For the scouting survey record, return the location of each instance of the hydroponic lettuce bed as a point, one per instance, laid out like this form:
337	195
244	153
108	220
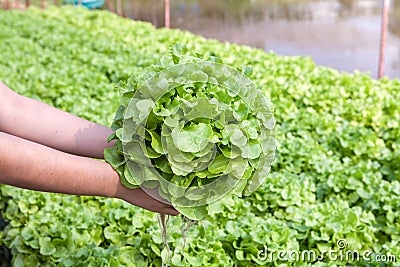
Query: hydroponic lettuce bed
336	175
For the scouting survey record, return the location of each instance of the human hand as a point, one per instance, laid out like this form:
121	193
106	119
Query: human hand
140	198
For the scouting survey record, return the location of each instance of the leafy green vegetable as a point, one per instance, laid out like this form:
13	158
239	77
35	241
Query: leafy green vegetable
191	115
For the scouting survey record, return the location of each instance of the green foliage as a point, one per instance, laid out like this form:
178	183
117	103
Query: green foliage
194	129
336	176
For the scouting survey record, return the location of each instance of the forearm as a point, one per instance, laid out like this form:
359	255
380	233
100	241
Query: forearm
33	166
29	165
41	123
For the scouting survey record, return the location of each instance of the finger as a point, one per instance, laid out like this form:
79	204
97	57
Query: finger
171	211
153	193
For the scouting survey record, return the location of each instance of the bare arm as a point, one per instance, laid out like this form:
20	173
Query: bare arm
33	166
31	135
35	121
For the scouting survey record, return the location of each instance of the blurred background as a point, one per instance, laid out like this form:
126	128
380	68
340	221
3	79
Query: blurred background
343	34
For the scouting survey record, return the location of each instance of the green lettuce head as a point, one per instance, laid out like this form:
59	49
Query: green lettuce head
193	128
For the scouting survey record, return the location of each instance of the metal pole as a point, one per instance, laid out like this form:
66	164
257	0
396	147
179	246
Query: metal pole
384	26
119	7
110	6
166	13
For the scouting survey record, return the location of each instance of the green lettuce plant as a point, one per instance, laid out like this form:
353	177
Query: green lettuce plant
193	128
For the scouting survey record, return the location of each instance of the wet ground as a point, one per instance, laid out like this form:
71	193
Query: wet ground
343	34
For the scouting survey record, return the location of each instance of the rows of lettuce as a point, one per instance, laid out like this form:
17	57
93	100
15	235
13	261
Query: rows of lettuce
337	174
